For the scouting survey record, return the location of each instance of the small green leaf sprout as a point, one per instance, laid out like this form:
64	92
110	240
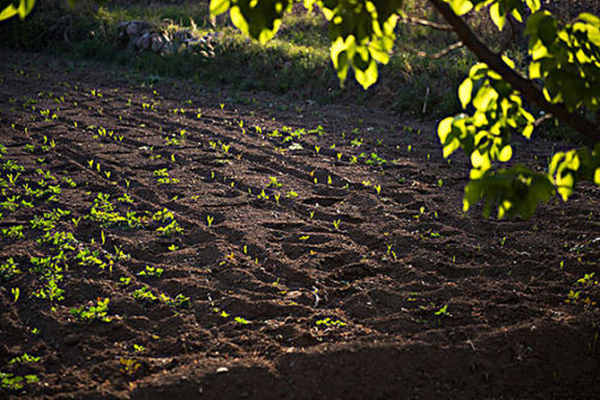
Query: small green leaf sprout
443	311
15	292
93	312
328	322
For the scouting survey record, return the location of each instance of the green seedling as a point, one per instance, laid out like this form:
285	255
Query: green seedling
14	232
263	195
24	359
241	320
129	366
138	348
151	271
588	280
126	198
273	182
375	160
443	311
330	322
120	255
162	177
170	229
144	294
172	141
15	292
209	220
357	142
97	312
179	300
573	296
15	382
9	269
69	181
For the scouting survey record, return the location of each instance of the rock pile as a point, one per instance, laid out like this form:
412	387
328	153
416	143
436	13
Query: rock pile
142	36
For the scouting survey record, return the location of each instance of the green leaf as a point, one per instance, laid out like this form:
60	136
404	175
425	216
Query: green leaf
484	97
539	51
238	20
561	171
534	21
505	153
504	208
533	5
451	147
339	56
308	4
528	130
460	7
535	70
589	18
548	31
219	6
444	129
8	12
478	71
508	61
25	7
481	160
498	18
472	194
464	92
367	77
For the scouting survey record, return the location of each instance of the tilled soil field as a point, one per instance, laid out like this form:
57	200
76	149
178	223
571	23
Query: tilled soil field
169	241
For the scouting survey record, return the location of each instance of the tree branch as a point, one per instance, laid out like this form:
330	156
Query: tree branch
588	130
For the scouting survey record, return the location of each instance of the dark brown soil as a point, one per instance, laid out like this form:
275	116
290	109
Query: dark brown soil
338	293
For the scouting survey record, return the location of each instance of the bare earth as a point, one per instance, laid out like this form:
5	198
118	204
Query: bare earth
368	283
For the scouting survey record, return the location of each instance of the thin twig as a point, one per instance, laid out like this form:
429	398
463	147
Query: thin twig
541	119
427	23
441	53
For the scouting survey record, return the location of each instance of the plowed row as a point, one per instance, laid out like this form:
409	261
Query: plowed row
305	267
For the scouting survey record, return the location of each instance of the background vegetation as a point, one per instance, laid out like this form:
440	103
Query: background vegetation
295	63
